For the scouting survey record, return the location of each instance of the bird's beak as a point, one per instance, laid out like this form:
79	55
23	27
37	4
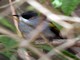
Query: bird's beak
16	15
22	19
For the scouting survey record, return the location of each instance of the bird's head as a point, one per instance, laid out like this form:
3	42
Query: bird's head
27	15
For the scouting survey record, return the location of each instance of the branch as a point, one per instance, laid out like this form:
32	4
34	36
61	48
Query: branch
15	19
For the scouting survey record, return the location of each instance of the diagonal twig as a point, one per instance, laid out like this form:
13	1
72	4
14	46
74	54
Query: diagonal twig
15	19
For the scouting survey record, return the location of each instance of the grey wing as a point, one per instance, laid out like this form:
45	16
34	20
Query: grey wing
26	29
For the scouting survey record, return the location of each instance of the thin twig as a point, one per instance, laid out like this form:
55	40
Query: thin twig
15	18
23	54
69	43
49	14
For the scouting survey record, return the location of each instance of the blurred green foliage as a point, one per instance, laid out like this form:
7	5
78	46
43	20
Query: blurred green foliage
48	48
6	41
6	23
9	45
67	6
57	3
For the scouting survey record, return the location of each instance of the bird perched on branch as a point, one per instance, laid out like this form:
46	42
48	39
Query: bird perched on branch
30	19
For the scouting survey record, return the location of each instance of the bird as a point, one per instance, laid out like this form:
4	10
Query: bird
31	18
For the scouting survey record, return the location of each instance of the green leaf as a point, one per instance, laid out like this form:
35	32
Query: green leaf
57	3
70	55
7	53
7	41
7	23
9	45
68	6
